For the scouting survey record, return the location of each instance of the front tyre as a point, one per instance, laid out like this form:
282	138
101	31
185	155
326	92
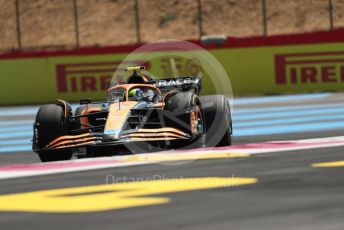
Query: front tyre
50	123
185	114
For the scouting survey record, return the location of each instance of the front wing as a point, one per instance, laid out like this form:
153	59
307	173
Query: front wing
136	135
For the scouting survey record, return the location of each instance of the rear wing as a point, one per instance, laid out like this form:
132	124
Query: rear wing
181	83
165	85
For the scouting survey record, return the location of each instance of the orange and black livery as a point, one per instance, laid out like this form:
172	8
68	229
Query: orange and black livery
142	114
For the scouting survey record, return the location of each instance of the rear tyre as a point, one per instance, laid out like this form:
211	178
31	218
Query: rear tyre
218	121
50	123
186	115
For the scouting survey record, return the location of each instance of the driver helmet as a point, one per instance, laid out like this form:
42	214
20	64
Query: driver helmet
136	94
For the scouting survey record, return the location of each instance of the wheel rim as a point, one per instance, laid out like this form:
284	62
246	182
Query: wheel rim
198	123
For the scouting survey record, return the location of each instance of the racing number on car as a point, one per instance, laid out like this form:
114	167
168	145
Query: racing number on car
110	197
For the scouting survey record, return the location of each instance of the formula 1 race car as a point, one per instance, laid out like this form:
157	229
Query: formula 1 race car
140	115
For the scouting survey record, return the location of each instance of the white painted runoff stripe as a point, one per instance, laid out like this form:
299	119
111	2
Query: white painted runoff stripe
243	111
12	123
15	142
25	170
285	114
15	148
279	98
285	121
19	134
15	129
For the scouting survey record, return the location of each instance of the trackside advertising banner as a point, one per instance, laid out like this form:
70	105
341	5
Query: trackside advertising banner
273	65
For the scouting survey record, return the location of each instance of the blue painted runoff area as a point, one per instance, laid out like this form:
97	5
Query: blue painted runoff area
15	135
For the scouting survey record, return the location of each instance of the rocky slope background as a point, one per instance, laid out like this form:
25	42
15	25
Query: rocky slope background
51	24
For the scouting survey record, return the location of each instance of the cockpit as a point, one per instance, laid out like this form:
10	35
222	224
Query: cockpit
139	92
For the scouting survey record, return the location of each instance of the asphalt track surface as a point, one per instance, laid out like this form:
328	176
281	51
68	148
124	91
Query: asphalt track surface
289	193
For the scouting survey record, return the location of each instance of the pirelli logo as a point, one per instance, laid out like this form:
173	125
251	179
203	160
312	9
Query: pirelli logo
87	77
309	68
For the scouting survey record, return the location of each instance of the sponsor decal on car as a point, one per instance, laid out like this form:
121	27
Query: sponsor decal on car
177	82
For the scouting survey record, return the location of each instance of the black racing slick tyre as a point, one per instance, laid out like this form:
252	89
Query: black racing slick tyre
218	121
186	115
50	123
77	121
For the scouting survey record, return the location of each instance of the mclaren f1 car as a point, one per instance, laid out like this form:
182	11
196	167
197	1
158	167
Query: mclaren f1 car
139	115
